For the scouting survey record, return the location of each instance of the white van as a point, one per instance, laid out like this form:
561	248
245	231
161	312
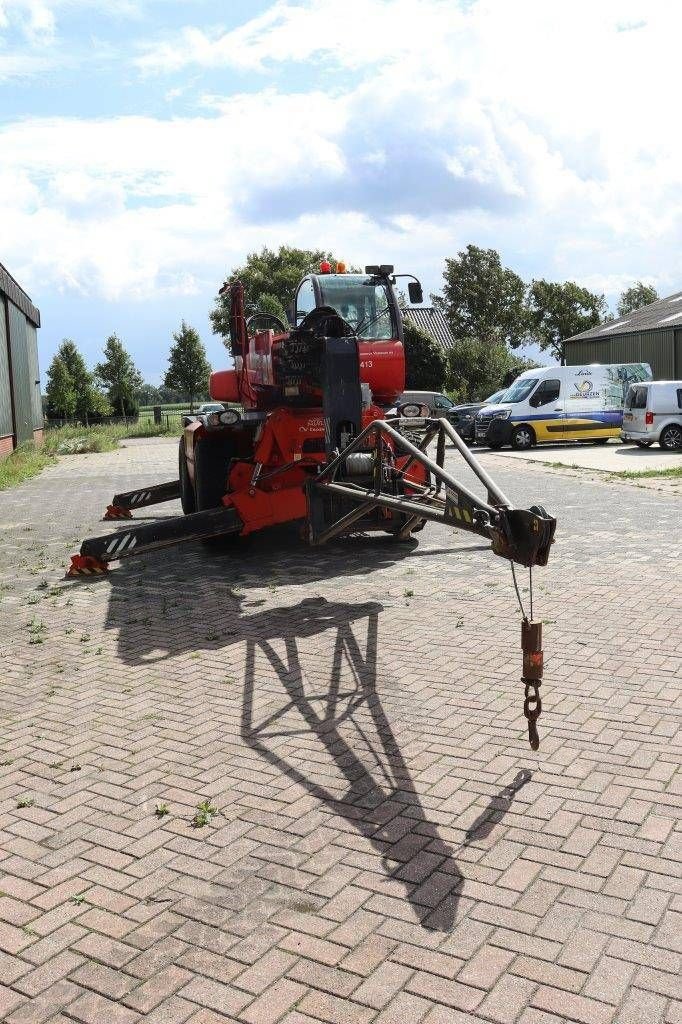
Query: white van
560	403
653	412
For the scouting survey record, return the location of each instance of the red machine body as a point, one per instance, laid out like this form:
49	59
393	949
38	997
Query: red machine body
280	440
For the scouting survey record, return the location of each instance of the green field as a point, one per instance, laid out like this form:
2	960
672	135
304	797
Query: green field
168	407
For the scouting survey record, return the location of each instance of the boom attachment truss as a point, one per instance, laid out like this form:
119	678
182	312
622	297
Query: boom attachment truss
523	536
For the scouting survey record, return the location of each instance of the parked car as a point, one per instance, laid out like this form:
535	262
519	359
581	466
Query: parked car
560	403
207	407
463	417
438	404
653	412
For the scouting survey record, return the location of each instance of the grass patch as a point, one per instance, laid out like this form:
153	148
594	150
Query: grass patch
105	438
26	461
634	474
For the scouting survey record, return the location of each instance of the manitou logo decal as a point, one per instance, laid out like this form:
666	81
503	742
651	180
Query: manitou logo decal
314	426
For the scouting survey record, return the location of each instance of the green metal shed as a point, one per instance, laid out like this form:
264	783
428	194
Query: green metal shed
21	417
652	334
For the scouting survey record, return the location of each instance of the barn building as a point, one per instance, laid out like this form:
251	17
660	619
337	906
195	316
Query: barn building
21	414
433	322
652	334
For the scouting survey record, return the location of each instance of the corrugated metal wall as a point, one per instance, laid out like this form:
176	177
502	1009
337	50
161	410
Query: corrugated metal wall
21	375
6	424
661	349
20	403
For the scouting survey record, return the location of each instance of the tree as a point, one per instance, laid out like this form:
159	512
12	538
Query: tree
59	391
188	369
476	369
269	280
638	295
482	299
120	377
558	311
425	364
149	394
89	400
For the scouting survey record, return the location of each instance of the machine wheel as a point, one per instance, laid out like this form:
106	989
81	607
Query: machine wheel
671	437
187	496
211	460
600	440
644	444
522	438
211	463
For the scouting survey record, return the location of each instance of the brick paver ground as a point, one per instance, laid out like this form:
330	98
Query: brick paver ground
386	847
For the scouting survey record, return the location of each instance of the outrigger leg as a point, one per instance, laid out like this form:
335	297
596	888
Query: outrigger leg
96	552
122	504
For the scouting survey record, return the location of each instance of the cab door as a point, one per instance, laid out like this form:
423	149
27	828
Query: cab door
548	415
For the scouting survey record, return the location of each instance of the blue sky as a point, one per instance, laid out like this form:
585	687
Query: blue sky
147	145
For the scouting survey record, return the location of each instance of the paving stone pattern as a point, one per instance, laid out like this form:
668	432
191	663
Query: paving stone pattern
386	848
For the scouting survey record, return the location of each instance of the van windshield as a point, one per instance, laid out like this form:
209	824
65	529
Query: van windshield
520	390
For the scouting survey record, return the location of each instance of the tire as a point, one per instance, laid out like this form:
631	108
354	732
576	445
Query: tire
211	463
495	446
211	466
187	496
644	444
671	438
522	438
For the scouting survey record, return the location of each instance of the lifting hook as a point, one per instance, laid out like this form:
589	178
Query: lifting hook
531	646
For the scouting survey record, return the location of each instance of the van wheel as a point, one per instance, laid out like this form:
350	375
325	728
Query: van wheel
187	496
644	444
671	437
522	438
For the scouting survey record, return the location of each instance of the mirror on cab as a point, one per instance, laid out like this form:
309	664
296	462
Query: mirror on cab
414	290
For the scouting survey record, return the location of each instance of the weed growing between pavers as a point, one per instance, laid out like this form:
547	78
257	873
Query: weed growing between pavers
204	815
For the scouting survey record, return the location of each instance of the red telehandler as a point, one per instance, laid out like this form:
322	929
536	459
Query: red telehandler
304	437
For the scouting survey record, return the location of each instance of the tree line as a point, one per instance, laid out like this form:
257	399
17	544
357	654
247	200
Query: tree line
114	387
490	310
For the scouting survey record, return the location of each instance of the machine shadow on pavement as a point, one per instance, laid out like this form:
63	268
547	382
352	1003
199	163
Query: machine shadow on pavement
499	804
187	599
381	803
367	782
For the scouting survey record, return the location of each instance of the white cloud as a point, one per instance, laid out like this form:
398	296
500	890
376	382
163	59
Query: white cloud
547	132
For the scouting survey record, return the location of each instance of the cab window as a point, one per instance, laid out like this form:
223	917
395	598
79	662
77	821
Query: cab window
547	392
305	300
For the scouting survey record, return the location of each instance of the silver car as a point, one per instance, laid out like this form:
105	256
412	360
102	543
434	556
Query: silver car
653	412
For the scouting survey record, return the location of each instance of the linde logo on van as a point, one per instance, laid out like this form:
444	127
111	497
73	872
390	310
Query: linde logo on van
583	373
